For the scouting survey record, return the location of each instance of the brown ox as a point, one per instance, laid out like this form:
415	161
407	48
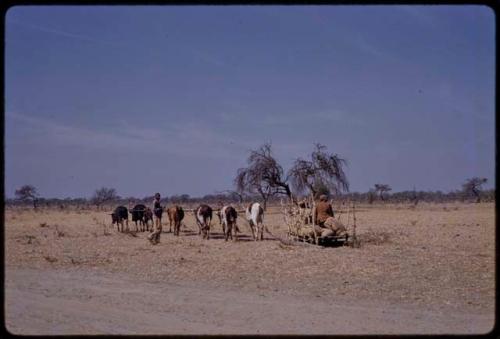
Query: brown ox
175	216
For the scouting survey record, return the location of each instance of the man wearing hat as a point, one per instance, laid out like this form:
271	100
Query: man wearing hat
326	224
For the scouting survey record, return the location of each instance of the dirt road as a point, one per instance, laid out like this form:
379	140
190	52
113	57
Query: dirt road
92	301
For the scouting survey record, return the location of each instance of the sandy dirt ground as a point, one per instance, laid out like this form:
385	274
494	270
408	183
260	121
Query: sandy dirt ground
422	270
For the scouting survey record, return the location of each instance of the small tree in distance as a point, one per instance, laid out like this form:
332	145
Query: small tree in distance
381	189
27	193
473	185
104	195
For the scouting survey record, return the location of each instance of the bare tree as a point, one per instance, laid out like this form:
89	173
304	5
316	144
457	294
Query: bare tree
104	195
263	175
27	193
473	185
382	189
323	170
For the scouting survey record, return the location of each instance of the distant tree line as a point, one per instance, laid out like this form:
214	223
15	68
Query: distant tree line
409	196
420	196
265	180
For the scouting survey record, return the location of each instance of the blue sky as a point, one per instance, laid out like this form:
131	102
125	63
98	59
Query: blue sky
170	99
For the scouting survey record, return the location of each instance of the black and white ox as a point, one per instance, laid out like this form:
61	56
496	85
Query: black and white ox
203	216
254	214
118	216
228	216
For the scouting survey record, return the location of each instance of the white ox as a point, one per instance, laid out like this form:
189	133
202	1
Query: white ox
255	217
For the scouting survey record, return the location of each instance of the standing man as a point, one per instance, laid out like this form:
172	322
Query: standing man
157	211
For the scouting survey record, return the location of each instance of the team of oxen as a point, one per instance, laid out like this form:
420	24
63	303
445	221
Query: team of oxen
141	215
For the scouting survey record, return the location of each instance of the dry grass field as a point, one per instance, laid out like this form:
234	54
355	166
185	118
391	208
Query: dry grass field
429	269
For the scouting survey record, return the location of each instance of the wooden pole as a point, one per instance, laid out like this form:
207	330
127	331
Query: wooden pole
354	238
348	214
313	204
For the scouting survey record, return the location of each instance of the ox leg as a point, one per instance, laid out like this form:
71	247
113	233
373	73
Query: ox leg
252	228
235	230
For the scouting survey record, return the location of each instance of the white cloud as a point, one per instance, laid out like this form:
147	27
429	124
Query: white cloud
311	118
365	46
192	139
64	33
420	13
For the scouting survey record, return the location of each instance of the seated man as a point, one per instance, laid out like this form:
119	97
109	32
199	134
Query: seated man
326	225
323	210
